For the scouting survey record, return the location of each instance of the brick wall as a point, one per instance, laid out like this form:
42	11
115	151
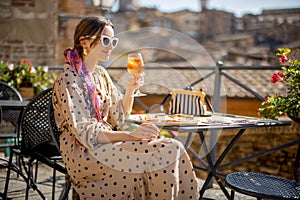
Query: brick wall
28	30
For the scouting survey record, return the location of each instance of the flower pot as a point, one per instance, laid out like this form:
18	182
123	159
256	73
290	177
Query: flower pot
295	119
27	92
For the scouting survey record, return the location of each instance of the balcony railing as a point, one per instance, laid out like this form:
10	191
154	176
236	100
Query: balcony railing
218	71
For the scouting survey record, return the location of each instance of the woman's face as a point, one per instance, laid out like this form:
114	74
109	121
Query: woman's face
104	52
98	51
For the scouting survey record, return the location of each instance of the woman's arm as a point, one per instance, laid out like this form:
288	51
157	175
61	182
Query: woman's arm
145	131
128	99
73	113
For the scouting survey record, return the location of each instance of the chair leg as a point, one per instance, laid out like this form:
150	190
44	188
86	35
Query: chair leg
53	182
29	177
30	180
232	195
8	174
36	171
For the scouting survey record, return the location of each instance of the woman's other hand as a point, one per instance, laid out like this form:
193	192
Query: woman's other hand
146	131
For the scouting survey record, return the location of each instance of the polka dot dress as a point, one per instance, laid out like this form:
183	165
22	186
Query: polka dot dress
158	169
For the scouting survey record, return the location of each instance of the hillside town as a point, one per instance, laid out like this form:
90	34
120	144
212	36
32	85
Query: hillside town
249	40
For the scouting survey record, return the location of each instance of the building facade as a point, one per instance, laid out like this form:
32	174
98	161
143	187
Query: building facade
40	30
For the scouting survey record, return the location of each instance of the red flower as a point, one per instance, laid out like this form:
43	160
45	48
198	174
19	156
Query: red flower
283	58
281	74
277	77
267	99
25	62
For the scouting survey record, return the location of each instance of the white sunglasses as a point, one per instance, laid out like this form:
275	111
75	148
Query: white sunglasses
105	40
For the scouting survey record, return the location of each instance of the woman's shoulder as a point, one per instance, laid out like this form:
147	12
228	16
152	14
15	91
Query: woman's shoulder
68	73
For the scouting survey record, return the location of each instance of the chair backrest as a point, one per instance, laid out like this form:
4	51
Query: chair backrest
54	131
34	122
188	102
8	92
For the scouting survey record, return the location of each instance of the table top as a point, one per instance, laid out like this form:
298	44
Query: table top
13	104
208	122
11	110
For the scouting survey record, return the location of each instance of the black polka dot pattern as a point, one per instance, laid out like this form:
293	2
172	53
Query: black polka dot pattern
158	169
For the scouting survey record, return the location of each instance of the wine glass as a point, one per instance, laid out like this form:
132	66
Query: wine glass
135	66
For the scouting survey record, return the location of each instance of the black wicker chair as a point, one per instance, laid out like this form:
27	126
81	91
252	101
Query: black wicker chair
36	145
264	186
8	92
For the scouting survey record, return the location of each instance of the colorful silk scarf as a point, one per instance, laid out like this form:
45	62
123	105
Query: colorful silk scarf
75	61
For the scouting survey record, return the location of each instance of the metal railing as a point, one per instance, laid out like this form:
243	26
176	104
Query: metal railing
219	71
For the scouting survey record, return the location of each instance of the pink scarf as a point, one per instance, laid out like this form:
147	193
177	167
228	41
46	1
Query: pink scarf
75	61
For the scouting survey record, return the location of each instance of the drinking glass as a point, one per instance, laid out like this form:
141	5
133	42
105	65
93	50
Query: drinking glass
135	66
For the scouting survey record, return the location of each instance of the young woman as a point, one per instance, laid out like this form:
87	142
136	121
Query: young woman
103	161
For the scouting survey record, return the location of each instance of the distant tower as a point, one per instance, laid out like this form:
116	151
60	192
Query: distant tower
128	5
204	4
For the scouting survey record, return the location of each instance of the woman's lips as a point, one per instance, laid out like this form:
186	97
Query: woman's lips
107	52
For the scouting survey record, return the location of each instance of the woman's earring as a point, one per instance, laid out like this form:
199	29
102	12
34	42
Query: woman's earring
84	52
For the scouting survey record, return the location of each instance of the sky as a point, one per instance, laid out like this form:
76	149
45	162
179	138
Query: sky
238	7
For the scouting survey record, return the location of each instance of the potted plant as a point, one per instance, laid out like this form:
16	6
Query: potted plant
25	75
288	104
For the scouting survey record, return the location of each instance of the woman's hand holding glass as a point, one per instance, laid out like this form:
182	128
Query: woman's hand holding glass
134	83
135	66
